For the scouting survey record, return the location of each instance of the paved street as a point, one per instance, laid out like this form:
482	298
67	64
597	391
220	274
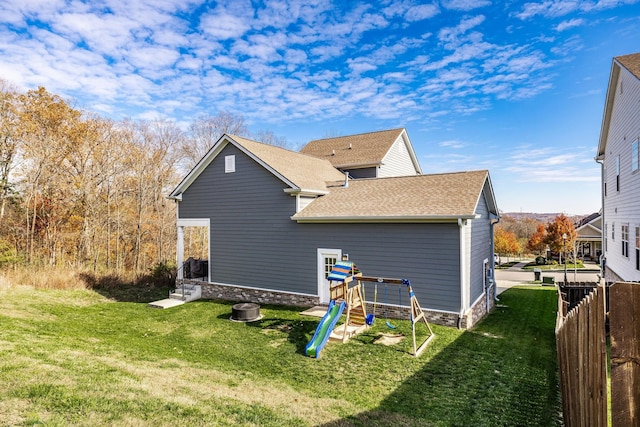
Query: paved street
516	276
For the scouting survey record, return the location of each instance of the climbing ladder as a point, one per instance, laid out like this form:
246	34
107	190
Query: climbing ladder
356	313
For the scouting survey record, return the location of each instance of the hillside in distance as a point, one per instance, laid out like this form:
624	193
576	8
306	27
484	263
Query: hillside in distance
541	217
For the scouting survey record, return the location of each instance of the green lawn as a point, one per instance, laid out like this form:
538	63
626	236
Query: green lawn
78	358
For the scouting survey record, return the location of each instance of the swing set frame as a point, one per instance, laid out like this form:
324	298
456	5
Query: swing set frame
417	315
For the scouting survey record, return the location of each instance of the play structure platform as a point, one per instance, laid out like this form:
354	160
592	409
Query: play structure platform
346	290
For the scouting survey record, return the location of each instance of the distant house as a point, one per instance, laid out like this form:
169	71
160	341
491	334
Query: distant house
618	153
589	237
278	220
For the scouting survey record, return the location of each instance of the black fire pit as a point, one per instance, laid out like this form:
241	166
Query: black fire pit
245	312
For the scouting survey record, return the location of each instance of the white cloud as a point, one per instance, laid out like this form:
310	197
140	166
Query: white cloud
223	26
558	8
452	34
464	5
452	144
421	12
565	25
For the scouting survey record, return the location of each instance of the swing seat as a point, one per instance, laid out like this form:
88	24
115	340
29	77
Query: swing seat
370	319
390	326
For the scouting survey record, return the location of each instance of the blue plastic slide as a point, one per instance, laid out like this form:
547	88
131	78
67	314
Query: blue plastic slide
324	329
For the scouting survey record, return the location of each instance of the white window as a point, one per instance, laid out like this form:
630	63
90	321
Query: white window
618	173
634	155
229	164
637	248
625	240
613	231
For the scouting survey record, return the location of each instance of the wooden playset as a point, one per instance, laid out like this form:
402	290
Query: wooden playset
347	290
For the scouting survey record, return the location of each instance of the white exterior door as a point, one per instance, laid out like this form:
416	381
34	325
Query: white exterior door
326	260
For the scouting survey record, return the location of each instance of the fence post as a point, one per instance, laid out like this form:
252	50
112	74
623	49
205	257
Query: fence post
624	329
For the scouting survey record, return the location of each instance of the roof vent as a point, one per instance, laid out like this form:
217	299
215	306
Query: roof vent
333	152
346	179
350	146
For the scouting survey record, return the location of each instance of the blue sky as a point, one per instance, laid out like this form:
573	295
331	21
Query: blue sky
514	87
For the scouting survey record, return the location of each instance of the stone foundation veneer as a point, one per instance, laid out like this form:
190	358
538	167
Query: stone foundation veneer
610	276
265	296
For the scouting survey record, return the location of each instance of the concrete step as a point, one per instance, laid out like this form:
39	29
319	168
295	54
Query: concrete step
191	293
166	303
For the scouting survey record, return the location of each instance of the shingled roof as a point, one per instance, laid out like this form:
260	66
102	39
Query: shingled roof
630	62
434	197
303	171
298	171
365	149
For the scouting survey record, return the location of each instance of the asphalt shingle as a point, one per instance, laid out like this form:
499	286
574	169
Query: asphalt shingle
631	62
364	149
305	172
446	195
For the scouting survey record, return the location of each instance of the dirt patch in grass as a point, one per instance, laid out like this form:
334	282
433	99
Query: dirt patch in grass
11	410
183	384
388	339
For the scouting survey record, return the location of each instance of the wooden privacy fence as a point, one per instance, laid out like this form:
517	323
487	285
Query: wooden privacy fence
582	357
624	331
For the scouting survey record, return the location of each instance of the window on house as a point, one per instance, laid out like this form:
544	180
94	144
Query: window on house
229	164
328	265
634	155
604	241
625	240
618	173
637	248
604	174
613	231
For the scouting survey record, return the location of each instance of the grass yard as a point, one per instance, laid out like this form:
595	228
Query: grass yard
75	357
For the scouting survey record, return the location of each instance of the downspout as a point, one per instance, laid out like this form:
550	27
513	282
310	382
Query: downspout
462	271
603	258
493	222
179	244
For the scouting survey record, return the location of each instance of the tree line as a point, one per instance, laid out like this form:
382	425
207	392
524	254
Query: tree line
515	237
79	190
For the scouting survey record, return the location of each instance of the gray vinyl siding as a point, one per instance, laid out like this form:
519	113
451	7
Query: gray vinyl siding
426	254
623	206
254	242
397	162
480	248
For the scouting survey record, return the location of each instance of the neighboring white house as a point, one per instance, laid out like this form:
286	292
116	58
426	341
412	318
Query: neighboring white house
589	237
619	155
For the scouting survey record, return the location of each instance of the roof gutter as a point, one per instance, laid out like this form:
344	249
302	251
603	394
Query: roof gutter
305	192
357	165
383	219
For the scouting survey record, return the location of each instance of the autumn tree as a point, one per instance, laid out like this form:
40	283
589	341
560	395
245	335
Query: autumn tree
268	137
536	242
50	131
205	131
522	227
505	242
9	139
555	230
79	190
